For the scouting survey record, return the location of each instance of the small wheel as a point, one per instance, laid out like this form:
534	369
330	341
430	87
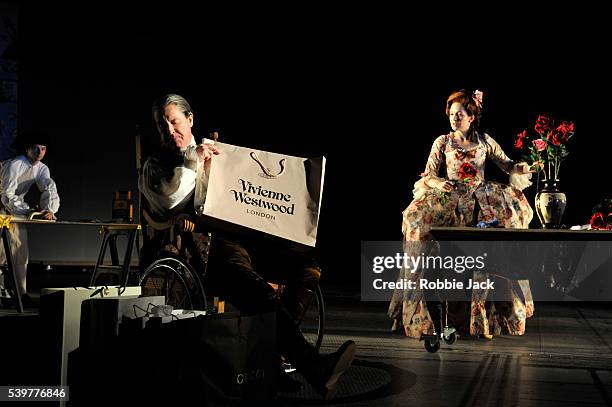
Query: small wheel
450	339
432	346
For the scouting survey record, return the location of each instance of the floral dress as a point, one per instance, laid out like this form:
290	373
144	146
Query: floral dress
431	207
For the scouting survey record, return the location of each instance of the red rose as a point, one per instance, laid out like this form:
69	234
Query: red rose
518	141
597	221
543	124
562	133
539	144
555	137
467	171
566	127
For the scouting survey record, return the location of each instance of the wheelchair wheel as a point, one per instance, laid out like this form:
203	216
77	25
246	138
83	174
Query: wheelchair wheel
176	281
313	324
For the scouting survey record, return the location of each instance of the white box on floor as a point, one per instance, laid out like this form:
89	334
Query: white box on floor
60	312
101	318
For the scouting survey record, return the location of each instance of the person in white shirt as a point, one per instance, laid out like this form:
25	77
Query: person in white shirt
17	176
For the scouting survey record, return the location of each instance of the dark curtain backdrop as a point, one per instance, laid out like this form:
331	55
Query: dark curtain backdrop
366	92
8	76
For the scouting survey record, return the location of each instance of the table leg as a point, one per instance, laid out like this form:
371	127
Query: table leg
100	257
11	269
128	256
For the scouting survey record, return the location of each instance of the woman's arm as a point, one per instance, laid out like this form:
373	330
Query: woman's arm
434	162
497	155
430	177
520	174
431	174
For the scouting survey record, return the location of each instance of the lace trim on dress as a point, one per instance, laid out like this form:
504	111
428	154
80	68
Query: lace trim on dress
453	145
520	181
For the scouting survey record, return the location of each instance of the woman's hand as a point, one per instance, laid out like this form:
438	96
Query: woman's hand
524	168
442	185
206	151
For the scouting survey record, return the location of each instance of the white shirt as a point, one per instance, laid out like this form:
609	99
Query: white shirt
170	196
17	175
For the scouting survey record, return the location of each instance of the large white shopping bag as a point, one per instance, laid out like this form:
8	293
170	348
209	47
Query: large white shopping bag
272	193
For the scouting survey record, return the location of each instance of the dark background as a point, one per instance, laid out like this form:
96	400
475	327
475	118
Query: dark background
367	91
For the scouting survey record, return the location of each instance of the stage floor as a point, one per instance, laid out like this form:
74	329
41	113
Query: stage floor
564	359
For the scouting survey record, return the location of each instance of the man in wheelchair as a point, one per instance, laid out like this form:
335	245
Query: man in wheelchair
232	266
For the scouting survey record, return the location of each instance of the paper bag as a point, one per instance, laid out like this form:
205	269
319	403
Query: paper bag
272	193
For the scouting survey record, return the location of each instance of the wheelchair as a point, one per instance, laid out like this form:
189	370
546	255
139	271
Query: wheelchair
174	278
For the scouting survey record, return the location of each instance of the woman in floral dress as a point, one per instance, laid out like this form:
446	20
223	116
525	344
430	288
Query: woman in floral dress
462	197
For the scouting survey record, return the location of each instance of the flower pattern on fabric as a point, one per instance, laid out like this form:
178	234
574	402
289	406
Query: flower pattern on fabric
432	207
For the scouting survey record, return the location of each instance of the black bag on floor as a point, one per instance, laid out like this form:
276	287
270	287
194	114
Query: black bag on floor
223	359
232	356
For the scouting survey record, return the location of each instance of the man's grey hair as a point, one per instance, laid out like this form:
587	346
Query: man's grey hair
171	99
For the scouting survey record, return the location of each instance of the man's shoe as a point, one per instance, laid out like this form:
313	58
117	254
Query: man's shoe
324	374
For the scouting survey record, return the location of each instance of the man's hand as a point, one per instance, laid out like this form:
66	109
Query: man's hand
47	215
206	151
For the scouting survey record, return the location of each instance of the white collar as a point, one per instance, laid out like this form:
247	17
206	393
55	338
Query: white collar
24	158
192	143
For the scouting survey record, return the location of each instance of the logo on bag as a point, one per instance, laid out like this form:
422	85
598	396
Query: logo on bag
256	374
256	195
268	172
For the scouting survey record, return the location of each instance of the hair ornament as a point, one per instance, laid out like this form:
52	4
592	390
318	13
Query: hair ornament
477	96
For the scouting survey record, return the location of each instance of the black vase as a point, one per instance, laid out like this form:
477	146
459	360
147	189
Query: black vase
550	204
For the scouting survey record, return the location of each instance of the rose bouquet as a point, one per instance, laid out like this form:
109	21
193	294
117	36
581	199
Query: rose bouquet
545	148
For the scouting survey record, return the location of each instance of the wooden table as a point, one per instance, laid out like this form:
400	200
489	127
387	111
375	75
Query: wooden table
109	231
500	234
558	261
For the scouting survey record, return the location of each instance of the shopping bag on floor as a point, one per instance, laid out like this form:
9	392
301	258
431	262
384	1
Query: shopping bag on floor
233	356
277	194
209	360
